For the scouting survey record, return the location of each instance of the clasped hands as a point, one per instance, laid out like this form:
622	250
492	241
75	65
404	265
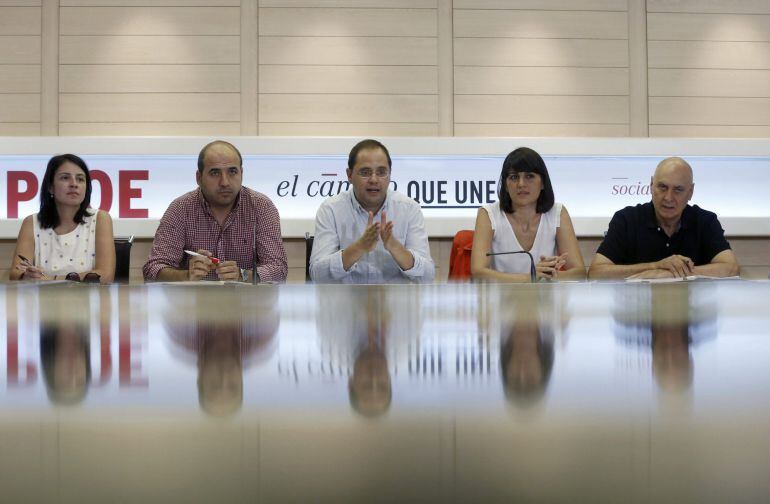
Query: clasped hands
199	267
674	266
549	266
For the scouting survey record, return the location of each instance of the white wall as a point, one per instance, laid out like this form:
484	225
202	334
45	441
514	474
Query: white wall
379	67
20	67
129	69
709	68
525	68
348	68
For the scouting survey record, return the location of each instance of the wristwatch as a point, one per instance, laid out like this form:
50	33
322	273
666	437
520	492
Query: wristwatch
244	275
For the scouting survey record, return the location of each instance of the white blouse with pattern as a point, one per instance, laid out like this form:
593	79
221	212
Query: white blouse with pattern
61	254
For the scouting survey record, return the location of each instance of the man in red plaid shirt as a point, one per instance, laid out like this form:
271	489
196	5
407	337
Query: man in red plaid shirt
223	222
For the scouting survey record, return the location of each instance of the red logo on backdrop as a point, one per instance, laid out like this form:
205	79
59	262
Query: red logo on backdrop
24	185
16	195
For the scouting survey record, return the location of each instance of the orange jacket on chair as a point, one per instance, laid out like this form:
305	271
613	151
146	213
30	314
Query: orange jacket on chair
460	257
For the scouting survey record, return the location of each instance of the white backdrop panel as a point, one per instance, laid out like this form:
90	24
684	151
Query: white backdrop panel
450	177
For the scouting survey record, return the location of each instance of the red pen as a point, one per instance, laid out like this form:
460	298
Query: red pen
212	259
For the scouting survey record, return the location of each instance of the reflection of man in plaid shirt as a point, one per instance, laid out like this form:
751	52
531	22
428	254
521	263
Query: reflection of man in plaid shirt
219	220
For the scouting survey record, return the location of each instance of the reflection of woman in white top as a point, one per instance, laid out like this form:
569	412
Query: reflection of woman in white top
67	238
525	217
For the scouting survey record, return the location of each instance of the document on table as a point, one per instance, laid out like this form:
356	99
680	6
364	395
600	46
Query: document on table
690	278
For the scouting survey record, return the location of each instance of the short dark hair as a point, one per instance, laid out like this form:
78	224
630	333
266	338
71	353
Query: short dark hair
367	144
49	215
521	160
202	154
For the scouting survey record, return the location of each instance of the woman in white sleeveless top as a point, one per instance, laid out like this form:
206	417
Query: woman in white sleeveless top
67	238
525	218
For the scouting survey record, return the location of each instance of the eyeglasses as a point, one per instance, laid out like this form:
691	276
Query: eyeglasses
368	172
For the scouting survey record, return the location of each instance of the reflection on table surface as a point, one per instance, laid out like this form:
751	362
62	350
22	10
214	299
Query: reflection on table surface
550	392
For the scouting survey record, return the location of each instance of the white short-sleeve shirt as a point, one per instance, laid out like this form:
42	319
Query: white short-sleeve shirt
504	239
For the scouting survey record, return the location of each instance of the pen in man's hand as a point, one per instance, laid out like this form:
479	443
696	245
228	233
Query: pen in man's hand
212	259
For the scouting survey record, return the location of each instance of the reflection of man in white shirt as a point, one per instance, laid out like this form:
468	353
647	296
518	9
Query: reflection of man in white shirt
369	339
368	234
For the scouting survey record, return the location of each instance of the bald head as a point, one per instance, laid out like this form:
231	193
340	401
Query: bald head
219	146
672	364
674	166
369	387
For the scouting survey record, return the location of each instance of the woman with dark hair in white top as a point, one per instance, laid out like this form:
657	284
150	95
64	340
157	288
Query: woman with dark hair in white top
67	239
525	218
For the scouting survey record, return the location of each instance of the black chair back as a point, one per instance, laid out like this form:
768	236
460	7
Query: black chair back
123	257
308	251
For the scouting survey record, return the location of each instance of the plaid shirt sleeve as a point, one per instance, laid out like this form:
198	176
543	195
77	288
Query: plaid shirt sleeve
168	246
271	256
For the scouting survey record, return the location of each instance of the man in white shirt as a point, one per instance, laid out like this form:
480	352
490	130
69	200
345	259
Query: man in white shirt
369	234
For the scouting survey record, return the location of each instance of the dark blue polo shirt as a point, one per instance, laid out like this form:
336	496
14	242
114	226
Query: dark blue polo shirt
634	236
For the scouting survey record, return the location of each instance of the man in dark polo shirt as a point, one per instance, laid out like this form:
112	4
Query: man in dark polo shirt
666	237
